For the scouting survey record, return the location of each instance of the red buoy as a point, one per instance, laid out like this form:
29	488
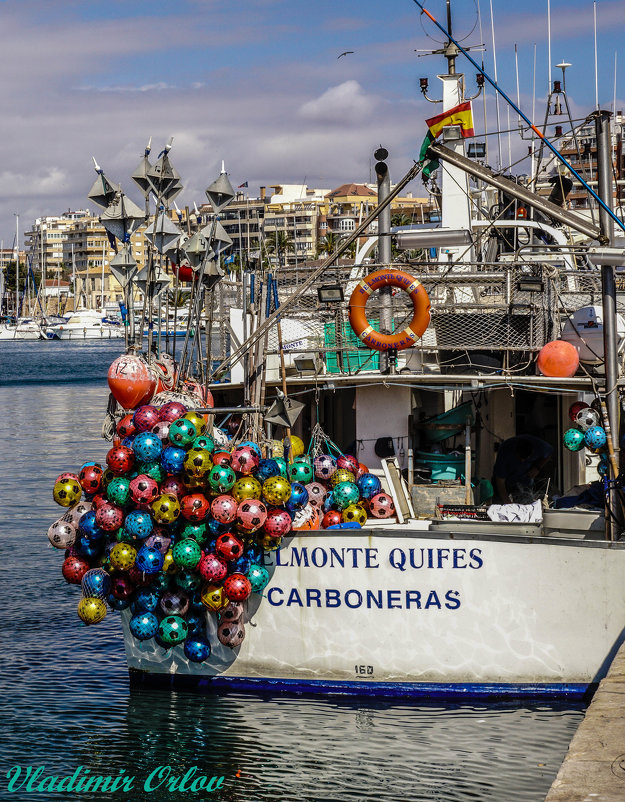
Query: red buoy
131	381
558	359
183	271
576	407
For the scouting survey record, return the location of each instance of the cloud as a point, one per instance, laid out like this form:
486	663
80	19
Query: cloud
346	23
346	103
39	182
156	87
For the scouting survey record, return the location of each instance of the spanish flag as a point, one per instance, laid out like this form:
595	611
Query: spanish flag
460	115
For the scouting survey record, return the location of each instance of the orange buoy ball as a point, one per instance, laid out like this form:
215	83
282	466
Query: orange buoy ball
558	359
131	381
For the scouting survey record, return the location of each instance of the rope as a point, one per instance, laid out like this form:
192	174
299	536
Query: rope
109	424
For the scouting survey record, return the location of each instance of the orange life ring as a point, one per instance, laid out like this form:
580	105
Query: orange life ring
399	339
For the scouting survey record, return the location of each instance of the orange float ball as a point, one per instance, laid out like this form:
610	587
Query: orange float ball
558	359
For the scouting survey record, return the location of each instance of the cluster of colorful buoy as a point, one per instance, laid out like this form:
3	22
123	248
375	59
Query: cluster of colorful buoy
587	433
175	525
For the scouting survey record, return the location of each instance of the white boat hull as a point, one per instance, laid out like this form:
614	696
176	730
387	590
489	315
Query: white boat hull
21	333
104	333
412	613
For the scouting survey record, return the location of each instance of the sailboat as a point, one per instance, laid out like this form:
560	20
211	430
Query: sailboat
24	329
21	327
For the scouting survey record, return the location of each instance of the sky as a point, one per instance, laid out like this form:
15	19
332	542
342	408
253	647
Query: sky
260	85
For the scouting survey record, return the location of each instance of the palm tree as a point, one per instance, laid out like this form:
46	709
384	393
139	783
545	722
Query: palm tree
279	243
401	219
328	243
177	298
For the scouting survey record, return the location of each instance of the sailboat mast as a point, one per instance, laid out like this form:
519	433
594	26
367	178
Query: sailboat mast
44	273
73	279
17	266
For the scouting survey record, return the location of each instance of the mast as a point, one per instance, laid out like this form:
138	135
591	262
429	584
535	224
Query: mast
43	285
456	211
102	277
388	360
523	116
17	266
73	279
608	283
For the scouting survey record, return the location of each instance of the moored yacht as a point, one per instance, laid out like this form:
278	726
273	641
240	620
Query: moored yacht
86	324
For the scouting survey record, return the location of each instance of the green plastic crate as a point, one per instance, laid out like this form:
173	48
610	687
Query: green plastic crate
358	356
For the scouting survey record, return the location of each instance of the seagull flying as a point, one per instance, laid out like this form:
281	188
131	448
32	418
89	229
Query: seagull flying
346	53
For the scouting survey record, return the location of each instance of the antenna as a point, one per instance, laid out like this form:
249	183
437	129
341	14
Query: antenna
479	19
614	102
96	166
518	91
492	27
594	9
549	45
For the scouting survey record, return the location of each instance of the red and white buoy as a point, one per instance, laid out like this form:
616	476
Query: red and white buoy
131	380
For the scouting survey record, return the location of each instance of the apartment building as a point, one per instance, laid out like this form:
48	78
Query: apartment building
294	211
87	256
300	217
7	257
44	241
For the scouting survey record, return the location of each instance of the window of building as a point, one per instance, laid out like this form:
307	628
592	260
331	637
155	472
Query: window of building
347	225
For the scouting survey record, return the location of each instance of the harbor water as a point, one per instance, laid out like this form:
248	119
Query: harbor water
67	705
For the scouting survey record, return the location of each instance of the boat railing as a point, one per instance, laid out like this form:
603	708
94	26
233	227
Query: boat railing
503	312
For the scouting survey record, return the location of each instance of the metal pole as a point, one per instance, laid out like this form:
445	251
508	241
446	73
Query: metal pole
608	291
17	267
246	358
388	361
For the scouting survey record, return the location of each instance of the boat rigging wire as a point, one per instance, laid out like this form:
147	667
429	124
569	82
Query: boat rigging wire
534	128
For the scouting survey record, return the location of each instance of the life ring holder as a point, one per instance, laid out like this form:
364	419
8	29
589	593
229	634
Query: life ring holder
399	339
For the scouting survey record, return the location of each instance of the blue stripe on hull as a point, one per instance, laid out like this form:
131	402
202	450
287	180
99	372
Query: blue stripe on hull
401	690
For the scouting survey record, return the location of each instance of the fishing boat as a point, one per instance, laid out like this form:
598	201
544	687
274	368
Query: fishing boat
440	600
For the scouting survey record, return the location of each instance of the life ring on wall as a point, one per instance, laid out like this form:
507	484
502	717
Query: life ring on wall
399	339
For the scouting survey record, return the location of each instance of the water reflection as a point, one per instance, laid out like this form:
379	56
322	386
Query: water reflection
299	749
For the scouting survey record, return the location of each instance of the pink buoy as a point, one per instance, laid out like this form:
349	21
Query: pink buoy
231	633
